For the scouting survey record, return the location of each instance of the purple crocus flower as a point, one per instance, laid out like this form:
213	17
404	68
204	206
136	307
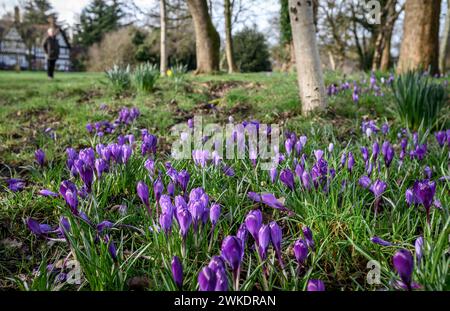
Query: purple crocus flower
350	162
375	150
365	154
183	179
228	170
48	193
216	263
306	180
269	199
423	193
378	188
104	225
420	152
111	248
143	194
253	222
171	189
150	166
69	192
365	182
165	222
380	241
301	251
418	245
177	271
158	188
37	228
166	205
40	157
214	213
126	153
276	235
315	286
307	233
428	172
318	154
404	265
15	185
101	166
289	145
385	128
207	280
263	241
232	253
242	234
287	178
86	173
273	174
221	280
441	138
388	153
184	219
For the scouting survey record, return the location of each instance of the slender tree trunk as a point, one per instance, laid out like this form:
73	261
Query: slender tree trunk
445	42
229	37
381	56
164	56
309	70
420	45
385	63
206	37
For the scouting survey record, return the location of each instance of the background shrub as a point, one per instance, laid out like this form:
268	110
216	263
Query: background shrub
251	51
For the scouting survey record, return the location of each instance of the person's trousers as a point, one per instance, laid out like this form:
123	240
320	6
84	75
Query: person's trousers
51	63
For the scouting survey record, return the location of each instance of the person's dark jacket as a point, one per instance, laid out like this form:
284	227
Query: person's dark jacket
51	47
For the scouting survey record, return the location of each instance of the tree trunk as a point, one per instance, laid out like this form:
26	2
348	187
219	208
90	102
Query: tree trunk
164	56
445	43
206	37
420	45
309	70
385	63
229	37
381	56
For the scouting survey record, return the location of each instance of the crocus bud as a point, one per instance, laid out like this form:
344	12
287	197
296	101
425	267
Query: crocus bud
307	233
315	286
214	213
232	252
40	157
207	280
253	222
404	265
143	194
418	245
350	162
276	236
177	271
365	182
301	251
263	241
287	178
221	280
184	220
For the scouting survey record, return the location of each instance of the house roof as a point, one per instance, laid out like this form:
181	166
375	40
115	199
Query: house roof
37	31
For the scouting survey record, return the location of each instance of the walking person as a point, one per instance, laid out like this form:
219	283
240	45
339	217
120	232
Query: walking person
51	48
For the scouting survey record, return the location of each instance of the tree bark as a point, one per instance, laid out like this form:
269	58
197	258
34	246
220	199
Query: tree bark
309	70
164	56
206	37
420	45
229	37
445	42
381	56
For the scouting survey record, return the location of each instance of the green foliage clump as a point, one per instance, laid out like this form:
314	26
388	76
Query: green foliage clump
418	101
145	77
120	78
251	51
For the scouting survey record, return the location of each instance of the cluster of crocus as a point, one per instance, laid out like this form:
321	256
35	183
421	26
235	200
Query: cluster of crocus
128	115
369	127
149	143
422	193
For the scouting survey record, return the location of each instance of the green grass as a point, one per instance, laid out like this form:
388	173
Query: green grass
342	221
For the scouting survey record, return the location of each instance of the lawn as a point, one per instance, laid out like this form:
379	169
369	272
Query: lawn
119	245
